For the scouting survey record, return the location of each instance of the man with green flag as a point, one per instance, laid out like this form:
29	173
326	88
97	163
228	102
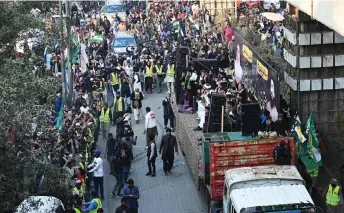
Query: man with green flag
303	151
313	140
313	151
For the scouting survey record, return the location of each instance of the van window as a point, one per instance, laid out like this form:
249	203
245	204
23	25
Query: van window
60	209
232	209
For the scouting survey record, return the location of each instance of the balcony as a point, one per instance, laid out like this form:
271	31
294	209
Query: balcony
307	85
314	61
316	38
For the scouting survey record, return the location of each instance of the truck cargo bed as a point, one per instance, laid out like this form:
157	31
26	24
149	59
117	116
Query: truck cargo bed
223	151
187	138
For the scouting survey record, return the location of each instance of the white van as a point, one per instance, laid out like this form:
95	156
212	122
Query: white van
40	204
267	3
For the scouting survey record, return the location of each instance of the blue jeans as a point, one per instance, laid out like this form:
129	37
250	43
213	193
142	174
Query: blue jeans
126	170
119	184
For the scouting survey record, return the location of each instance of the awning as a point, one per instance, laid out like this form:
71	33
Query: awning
273	16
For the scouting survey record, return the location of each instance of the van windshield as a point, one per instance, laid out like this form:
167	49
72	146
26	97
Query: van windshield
124	42
304	210
114	9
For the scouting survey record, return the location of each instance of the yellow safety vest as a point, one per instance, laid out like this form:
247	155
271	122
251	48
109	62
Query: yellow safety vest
158	70
149	72
77	210
119	104
77	191
170	70
99	205
90	133
81	165
231	71
101	84
115	80
104	116
332	196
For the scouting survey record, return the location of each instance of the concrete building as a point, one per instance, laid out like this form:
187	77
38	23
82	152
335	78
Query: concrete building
315	56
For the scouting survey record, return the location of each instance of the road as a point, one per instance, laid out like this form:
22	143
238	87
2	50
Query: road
175	193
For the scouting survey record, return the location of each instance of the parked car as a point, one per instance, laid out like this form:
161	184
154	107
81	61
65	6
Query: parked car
39	204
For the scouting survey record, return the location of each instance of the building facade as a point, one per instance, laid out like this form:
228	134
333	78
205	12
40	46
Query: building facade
315	74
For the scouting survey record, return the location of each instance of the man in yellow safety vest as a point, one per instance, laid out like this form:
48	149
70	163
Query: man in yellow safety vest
160	75
114	81
93	205
169	79
105	119
334	198
149	77
78	190
118	107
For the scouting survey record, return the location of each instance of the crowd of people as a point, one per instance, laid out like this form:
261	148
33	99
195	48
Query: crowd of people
101	75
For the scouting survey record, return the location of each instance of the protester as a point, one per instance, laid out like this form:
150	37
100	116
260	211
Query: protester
168	149
131	194
168	111
98	176
151	155
150	125
136	100
123	208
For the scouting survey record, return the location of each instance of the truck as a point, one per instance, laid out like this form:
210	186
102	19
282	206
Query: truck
211	155
224	151
278	189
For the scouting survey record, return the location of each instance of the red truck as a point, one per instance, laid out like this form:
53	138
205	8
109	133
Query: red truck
224	151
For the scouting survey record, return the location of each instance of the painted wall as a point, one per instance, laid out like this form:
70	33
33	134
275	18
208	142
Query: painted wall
328	12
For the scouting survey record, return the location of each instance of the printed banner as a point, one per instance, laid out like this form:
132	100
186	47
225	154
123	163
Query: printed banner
258	77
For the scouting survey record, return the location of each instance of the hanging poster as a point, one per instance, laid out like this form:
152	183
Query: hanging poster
259	78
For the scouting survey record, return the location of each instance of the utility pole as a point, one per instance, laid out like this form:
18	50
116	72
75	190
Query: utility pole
62	57
70	72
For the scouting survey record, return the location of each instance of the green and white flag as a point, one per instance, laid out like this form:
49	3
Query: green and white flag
98	38
313	142
175	25
296	130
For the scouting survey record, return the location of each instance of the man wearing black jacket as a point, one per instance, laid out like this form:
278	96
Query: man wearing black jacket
111	144
125	154
168	149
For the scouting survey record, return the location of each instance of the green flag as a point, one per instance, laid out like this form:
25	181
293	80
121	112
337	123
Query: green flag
59	120
98	38
175	25
313	143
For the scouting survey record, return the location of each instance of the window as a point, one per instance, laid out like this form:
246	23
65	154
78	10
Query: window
124	42
232	209
114	9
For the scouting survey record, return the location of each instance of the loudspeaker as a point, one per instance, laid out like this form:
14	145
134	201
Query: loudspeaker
215	112
183	50
251	108
250	119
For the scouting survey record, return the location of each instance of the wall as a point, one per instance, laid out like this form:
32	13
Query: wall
328	12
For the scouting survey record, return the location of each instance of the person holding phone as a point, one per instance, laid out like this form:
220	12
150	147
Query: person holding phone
131	194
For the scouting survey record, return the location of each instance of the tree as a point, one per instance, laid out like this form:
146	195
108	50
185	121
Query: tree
21	94
25	100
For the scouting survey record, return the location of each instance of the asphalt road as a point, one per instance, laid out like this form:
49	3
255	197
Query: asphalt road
175	193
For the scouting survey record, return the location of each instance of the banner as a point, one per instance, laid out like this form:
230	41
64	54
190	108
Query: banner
258	77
